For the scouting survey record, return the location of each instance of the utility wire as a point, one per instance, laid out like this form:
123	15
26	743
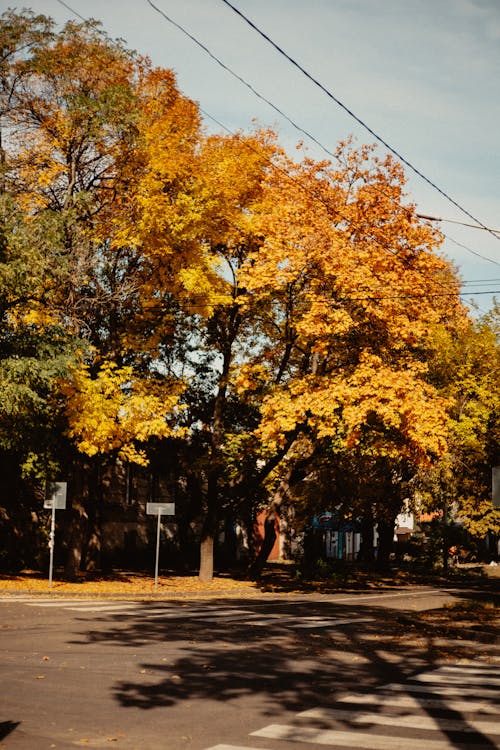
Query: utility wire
220	124
355	117
465	247
241	80
462	223
68	7
280	112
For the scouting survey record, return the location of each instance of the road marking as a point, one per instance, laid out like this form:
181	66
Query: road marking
413	696
204	614
469	668
55	602
409	701
408	722
400	594
355	739
117	608
332	622
435	677
459	690
82	606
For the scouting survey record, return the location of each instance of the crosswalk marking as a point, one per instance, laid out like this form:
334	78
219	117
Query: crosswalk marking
409	701
400	708
208	614
355	739
332	622
409	722
116	608
458	679
457	690
466	668
212	614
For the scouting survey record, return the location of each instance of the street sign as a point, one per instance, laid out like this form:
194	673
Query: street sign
55	499
162	509
56	496
159	509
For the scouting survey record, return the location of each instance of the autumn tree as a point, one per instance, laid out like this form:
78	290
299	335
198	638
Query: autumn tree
348	282
277	310
70	108
302	282
465	366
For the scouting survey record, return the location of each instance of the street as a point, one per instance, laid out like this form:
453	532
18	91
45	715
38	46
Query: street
264	673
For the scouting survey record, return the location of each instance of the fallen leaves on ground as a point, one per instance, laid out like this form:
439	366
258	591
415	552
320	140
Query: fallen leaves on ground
130	584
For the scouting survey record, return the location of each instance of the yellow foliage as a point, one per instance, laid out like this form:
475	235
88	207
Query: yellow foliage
115	411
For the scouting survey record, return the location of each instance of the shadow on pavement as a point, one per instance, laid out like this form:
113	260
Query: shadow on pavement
6	727
291	669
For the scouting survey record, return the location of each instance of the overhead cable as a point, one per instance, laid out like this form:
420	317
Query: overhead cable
462	223
202	46
355	117
240	79
280	112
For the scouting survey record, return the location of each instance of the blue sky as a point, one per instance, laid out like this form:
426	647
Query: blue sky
423	74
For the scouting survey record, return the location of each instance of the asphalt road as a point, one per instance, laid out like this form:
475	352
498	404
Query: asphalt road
269	673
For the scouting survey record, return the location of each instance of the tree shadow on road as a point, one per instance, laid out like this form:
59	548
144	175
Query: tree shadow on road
6	727
292	669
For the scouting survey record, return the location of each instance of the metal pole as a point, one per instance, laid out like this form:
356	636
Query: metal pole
51	541
157	549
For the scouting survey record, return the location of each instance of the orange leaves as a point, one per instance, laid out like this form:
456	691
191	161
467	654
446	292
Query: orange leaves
402	402
395	402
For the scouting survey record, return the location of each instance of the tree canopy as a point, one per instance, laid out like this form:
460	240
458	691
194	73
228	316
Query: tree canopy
282	317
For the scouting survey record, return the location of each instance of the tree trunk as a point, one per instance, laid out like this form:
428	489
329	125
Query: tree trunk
92	549
76	541
366	551
206	572
256	568
209	530
385	541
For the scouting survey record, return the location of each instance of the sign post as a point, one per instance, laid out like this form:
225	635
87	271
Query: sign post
159	509
495	486
55	499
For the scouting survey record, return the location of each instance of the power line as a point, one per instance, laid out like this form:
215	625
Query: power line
355	117
241	80
314	195
280	112
68	7
474	252
462	223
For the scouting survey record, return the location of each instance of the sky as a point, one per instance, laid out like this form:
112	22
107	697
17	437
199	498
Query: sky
423	75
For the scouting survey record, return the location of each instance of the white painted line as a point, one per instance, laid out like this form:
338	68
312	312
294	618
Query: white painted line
24	599
349	739
233	747
467	669
57	603
207	615
332	622
221	613
448	679
409	701
457	691
401	594
408	722
125	608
